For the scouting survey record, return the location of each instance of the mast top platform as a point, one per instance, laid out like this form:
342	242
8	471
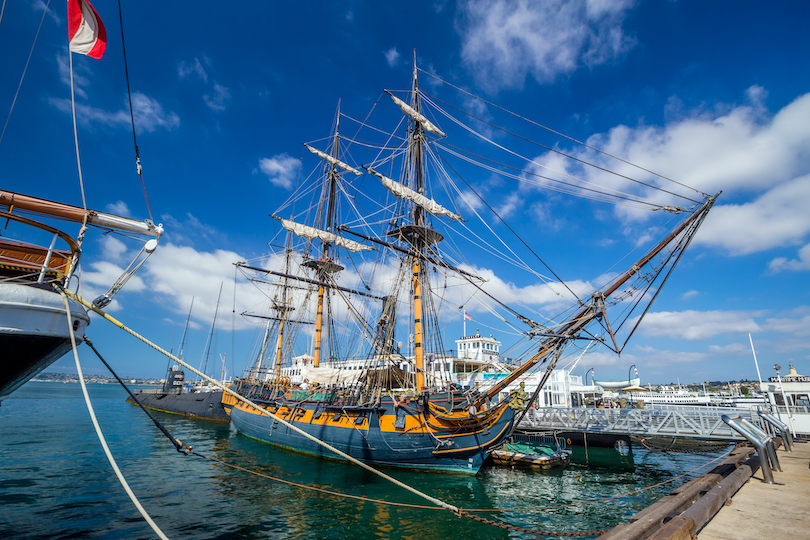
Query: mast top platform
412	233
323	266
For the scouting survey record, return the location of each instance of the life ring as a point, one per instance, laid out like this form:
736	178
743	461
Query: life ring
568	441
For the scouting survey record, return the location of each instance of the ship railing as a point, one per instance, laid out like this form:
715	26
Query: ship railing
32	262
710	409
783	409
549	439
151	391
761	440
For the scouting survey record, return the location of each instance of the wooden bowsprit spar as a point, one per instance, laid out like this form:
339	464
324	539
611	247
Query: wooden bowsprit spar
595	310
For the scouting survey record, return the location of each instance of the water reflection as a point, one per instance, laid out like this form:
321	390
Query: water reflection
51	465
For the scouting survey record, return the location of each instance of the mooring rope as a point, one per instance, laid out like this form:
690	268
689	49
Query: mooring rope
280	420
650	446
187	450
98	429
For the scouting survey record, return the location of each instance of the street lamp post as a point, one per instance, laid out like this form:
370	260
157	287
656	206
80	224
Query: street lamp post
628	380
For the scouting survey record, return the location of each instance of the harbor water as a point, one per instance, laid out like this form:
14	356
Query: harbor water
56	482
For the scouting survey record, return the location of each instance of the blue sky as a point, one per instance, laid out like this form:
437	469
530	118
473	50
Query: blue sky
713	95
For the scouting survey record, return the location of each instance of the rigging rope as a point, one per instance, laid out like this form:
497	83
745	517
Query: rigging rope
512	231
25	69
560	134
187	450
132	114
106	448
259	409
78	160
603	169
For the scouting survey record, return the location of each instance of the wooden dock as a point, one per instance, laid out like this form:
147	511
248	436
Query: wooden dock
731	502
759	510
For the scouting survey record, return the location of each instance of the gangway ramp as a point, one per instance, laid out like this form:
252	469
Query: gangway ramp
703	423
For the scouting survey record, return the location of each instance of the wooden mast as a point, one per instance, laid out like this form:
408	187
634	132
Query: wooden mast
418	244
283	309
324	268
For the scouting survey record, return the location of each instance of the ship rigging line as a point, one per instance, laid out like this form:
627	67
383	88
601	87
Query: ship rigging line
187	450
512	230
25	69
100	434
552	150
559	133
620	195
132	115
259	409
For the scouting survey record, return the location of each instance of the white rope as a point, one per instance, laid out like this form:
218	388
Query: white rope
25	69
243	399
76	139
98	428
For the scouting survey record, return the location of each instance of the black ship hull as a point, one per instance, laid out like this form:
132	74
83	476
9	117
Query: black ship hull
205	405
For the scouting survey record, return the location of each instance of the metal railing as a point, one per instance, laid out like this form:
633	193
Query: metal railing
787	436
701	423
761	440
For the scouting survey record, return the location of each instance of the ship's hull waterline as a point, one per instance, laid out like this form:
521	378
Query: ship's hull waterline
388	435
205	405
33	332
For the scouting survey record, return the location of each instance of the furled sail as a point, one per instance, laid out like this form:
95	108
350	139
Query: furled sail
410	111
332	160
310	233
325	375
429	205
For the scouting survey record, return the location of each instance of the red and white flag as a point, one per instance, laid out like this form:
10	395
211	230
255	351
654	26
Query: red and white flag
86	31
467	316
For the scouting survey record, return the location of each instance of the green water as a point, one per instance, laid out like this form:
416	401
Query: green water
55	482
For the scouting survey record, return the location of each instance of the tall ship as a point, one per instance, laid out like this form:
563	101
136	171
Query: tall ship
353	351
34	330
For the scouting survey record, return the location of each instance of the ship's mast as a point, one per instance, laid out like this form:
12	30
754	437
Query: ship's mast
283	308
418	220
326	267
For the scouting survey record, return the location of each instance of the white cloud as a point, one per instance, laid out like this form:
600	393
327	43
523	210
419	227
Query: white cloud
39	5
195	68
777	218
799	326
113	249
181	273
740	150
105	273
79	80
392	56
149	114
190	229
802	263
503	41
698	325
119	208
656	357
280	169
219	100
689	294
733	349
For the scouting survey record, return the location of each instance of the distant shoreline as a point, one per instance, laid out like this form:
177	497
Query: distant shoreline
100	379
